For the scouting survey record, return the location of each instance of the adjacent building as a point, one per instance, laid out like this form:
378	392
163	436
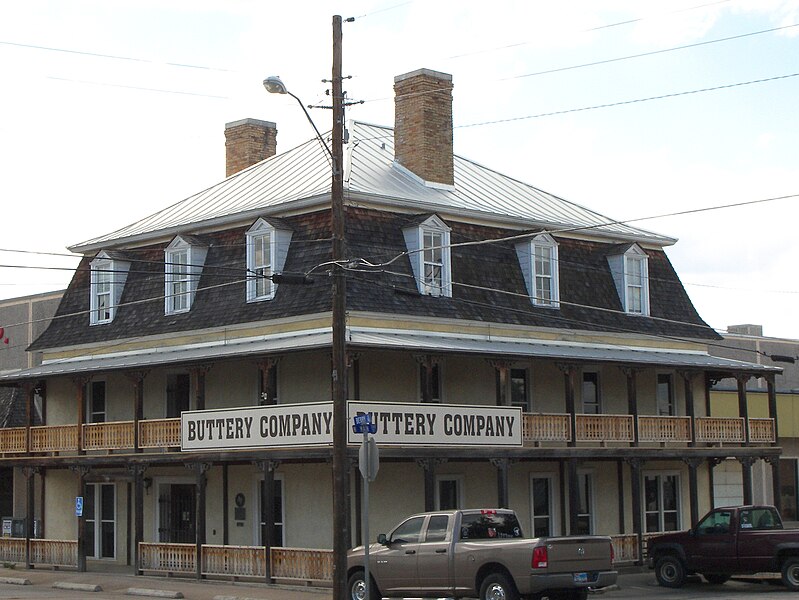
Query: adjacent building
515	349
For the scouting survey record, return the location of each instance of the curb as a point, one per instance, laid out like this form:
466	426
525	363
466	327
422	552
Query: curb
78	587
15	580
153	593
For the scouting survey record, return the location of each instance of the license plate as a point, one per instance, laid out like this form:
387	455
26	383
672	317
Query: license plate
581	578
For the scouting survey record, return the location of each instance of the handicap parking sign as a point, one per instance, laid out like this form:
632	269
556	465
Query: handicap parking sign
78	506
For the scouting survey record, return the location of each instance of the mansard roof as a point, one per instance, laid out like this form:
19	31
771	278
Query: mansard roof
299	179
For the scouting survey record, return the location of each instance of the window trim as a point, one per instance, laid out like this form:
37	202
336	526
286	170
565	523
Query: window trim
415	241
438	393
256	493
195	259
672	403
117	271
527	406
90	411
458	479
598	391
98	535
660	474
589	473
554	517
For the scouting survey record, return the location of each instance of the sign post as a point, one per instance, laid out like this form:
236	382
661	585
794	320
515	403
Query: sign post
368	464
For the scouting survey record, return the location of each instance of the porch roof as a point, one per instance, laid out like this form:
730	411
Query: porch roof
443	343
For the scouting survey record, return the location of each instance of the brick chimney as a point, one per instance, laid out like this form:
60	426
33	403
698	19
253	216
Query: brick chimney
247	142
423	124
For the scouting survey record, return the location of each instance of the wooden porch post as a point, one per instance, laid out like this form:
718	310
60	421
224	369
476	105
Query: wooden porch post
774	462
746	475
502	371
574	496
693	487
632	399
268	467
569	373
138	513
502	466
30	490
225	506
690	409
743	407
200	470
81	471
429	467
635	490
80	387
137	378
198	376
620	491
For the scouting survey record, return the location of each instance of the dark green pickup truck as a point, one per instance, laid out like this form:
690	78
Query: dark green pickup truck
734	540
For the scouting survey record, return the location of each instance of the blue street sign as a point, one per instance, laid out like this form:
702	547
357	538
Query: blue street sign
78	506
362	419
362	423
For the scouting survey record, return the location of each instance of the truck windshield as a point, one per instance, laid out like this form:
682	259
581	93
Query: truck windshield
490	525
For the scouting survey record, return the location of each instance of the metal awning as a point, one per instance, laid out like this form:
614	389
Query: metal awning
393	340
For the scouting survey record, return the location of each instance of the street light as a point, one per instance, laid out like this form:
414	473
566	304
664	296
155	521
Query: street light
341	511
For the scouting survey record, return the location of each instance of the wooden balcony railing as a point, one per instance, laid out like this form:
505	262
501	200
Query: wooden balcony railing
55	553
762	431
302	564
159	433
54	438
719	429
12	550
168	558
664	429
236	561
546	428
604	428
115	435
13	439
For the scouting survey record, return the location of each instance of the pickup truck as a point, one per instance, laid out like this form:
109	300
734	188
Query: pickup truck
735	540
478	553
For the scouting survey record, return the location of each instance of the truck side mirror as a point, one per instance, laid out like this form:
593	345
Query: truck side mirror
381	539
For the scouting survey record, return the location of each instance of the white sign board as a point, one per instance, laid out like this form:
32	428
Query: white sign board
257	427
440	424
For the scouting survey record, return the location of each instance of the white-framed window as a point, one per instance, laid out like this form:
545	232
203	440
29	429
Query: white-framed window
267	247
661	501
99	510
543	505
449	492
278	503
585	508
519	388
428	247
107	279
95	402
630	270
183	262
436	393
538	258
664	394
591	396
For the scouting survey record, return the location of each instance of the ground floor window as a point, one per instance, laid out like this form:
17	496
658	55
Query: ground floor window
585	508
542	505
661	502
278	502
99	510
789	502
177	513
449	491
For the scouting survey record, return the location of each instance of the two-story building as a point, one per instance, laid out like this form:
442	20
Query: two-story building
517	349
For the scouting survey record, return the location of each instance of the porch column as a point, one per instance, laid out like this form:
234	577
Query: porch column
690	409
746	475
775	461
267	467
632	398
620	492
429	467
743	408
693	487
137	378
635	491
569	374
502	372
30	490
198	379
81	471
267	368
502	466
80	383
138	513
712	463
574	496
200	470
29	389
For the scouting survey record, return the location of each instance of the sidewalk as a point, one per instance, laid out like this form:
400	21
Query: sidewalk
117	585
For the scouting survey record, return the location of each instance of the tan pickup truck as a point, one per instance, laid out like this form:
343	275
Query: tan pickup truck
478	553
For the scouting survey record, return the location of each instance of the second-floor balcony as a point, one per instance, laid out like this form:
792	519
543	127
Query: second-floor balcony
552	429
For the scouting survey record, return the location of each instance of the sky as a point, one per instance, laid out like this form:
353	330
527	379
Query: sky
113	110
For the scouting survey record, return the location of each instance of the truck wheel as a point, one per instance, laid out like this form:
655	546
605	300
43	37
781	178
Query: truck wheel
356	587
790	573
716	578
670	571
498	587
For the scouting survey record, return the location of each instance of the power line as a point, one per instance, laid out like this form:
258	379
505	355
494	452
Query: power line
138	88
626	102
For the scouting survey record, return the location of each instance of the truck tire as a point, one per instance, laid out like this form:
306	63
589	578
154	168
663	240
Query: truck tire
498	586
790	573
356	588
716	578
669	571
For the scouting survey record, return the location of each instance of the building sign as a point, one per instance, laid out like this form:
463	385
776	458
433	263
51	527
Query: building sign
440	424
289	425
257	427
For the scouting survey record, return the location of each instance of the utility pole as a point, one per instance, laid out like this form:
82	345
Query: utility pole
341	511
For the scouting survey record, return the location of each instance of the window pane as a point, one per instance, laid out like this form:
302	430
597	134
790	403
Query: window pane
652	522
665	403
590	393
409	531
107	502
518	388
651	493
107	540
670	492
447	494
437	528
88	502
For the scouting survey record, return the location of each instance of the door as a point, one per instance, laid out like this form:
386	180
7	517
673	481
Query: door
395	563
99	509
178	388
542	505
712	548
177	510
433	557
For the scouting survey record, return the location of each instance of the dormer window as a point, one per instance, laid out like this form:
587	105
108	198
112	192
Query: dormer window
108	275
428	248
538	258
630	271
183	263
267	246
